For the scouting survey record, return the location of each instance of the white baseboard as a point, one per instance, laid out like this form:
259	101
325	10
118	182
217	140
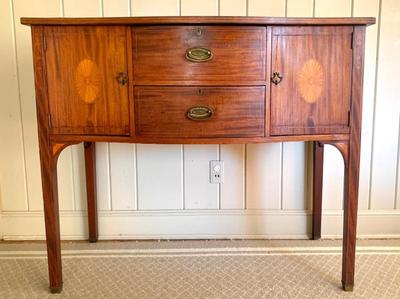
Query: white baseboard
199	225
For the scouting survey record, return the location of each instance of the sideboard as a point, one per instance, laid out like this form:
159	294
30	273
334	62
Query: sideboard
198	80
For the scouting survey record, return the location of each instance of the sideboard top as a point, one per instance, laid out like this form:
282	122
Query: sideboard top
198	20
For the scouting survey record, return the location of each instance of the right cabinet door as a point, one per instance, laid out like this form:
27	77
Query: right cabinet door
311	80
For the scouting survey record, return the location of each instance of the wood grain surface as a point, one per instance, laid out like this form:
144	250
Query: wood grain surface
238	55
198	20
162	111
314	94
81	66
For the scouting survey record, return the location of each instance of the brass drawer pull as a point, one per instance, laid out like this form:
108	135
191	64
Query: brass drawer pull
198	54
276	78
199	113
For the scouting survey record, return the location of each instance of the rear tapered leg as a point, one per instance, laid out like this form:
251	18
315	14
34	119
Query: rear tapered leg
90	168
318	168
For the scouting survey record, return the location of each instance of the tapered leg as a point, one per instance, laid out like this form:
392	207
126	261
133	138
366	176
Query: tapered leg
350	214
318	168
90	167
48	163
48	152
350	151
352	163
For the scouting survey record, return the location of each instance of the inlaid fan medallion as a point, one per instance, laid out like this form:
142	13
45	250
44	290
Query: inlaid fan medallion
87	80
310	81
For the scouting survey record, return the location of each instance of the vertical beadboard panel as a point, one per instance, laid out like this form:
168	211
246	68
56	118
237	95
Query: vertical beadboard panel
267	8
263	176
159	167
79	178
27	95
294	156
397	203
199	193
79	8
232	7
333	161
155	8
116	8
65	177
123	176
367	8
12	162
387	107
232	191
294	176
199	8
103	176
337	8
76	8
333	179
300	8
264	161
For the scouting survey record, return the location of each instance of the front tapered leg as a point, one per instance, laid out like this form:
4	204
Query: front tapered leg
350	151
350	214
48	162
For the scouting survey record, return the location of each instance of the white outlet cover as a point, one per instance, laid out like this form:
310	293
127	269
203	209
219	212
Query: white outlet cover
216	171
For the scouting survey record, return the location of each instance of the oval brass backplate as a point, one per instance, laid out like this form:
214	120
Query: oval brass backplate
198	54
199	113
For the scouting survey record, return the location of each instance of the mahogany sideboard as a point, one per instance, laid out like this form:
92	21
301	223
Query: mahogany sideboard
198	80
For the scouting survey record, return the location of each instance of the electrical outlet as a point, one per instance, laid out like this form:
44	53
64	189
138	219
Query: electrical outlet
216	172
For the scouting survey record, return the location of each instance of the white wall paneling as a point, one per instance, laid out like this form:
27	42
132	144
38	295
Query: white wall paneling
103	179
13	185
367	8
233	7
123	176
387	107
163	191
199	8
160	177
199	193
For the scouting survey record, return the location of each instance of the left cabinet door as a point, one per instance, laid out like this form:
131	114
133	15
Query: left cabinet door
87	79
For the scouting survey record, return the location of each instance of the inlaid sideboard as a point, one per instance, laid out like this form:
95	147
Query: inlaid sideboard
198	80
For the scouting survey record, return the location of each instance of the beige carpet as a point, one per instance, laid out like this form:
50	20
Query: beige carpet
201	269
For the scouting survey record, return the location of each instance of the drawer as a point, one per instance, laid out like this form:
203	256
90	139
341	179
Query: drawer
199	54
199	111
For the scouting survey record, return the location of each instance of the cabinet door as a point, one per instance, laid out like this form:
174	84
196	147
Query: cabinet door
87	79
311	80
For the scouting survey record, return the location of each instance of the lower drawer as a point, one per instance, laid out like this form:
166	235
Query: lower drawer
199	111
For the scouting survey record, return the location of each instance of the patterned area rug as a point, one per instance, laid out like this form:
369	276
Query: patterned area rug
201	270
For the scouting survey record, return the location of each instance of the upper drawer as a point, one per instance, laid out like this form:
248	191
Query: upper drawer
199	55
